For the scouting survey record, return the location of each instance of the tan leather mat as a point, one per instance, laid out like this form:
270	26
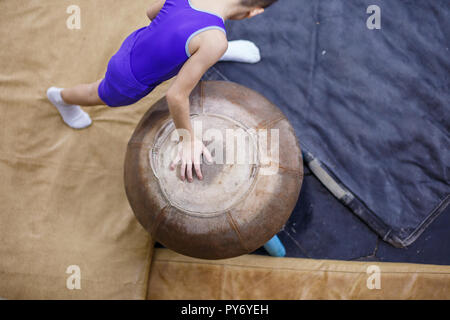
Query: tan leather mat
62	198
174	276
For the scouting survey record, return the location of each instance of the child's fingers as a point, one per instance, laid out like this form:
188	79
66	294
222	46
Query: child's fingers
183	169
175	161
189	171
198	171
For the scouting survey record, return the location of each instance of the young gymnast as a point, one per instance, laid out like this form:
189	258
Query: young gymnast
184	39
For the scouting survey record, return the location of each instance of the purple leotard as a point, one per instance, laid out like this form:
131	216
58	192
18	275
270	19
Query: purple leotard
155	53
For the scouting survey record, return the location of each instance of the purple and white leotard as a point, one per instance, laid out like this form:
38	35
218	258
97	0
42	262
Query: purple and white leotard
155	53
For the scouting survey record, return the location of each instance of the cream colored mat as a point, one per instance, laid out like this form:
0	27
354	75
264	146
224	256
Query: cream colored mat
62	199
174	276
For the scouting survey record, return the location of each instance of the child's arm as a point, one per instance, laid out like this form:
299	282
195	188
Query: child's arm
211	47
154	9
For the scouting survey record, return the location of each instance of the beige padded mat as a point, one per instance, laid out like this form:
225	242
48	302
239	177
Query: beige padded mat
62	198
174	276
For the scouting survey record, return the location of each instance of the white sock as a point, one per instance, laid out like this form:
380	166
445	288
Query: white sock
242	51
72	115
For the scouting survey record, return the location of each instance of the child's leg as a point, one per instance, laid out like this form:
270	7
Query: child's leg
68	102
85	95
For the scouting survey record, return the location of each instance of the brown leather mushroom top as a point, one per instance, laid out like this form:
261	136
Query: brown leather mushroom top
247	193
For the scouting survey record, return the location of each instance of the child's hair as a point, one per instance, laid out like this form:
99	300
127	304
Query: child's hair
258	3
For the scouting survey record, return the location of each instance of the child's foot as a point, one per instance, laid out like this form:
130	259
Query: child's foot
72	115
242	51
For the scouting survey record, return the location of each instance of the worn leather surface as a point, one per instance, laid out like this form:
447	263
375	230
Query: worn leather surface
258	277
196	228
62	197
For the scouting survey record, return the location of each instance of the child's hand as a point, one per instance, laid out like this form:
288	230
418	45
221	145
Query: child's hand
190	154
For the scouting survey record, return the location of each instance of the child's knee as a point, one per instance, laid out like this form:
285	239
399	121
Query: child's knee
93	91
